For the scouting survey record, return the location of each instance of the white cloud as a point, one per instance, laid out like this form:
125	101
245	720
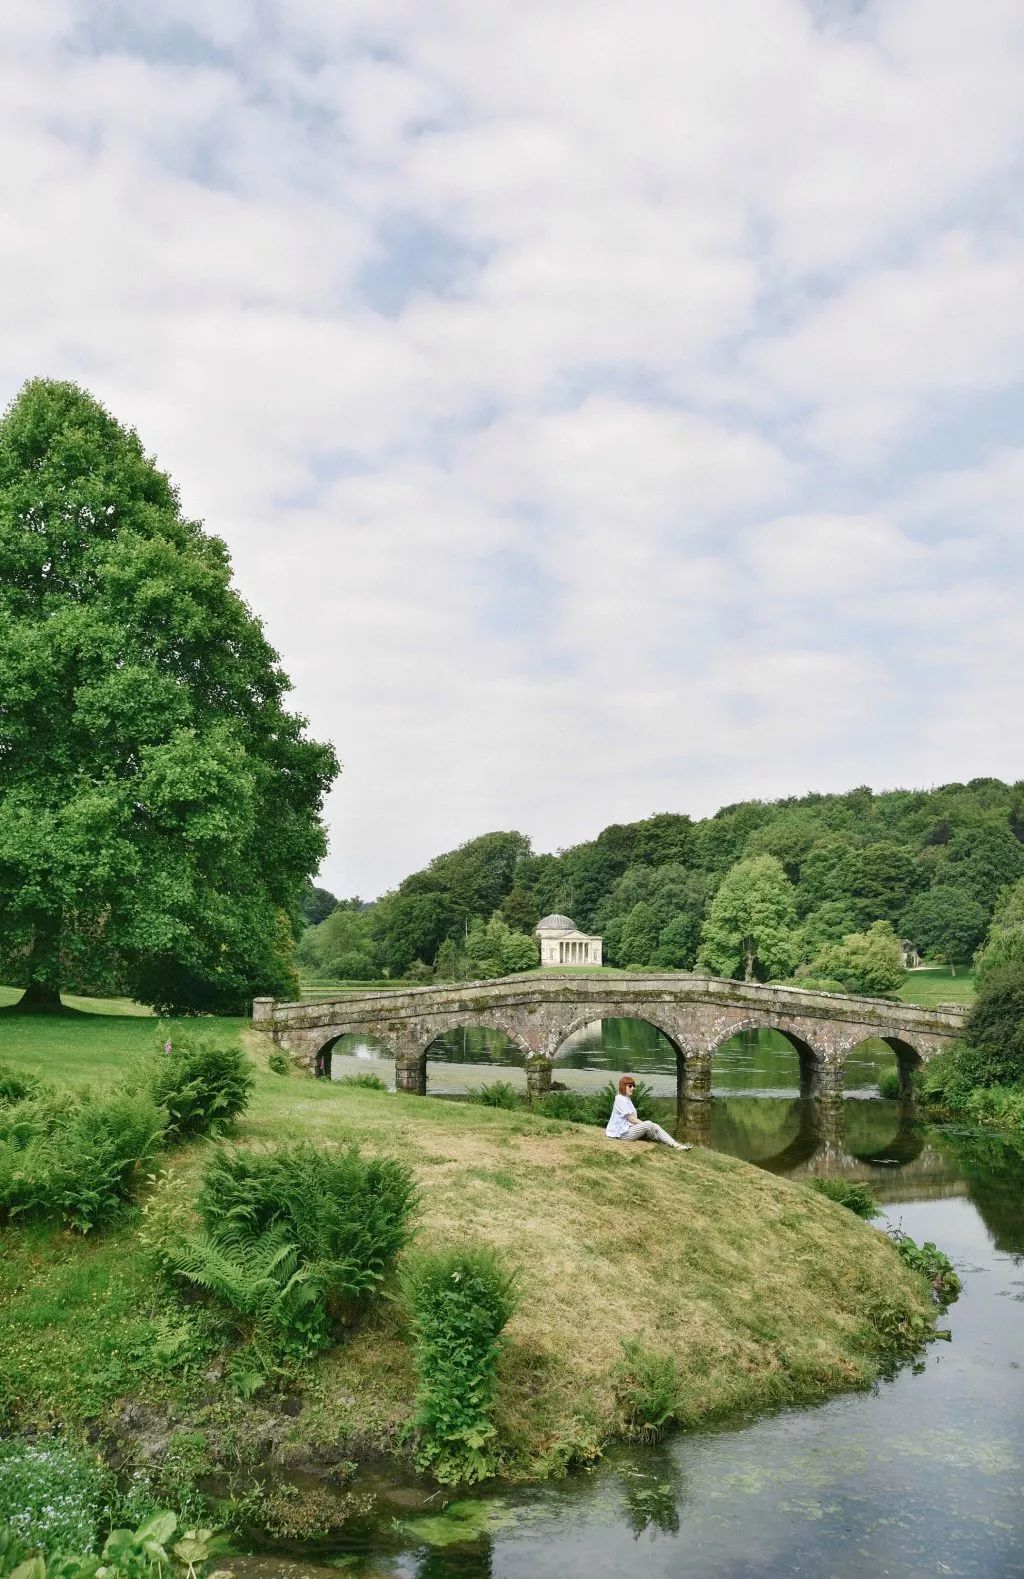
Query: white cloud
639	495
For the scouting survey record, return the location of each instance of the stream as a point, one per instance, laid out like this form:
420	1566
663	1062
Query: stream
923	1475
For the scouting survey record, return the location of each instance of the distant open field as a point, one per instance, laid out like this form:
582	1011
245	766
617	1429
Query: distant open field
934	984
92	1042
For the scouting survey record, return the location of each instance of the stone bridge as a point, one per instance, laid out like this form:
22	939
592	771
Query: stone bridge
538	1011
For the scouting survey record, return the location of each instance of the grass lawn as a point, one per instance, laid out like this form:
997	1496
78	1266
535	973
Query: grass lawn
763	1290
93	1040
932	984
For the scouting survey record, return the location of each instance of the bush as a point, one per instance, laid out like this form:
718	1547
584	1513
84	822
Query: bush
857	1198
16	1087
50	1495
293	1241
501	1093
649	1387
368	1081
460	1301
889	1085
870	961
932	1264
593	1107
77	1160
279	1062
994	1029
203	1086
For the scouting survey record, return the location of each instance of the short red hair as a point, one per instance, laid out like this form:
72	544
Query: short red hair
627	1080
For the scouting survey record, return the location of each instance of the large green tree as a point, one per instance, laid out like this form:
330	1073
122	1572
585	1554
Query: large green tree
159	807
946	922
749	931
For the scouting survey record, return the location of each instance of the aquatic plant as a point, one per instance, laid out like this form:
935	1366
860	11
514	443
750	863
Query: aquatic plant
932	1263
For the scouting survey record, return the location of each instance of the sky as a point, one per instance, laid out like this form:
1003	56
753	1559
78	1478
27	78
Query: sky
611	406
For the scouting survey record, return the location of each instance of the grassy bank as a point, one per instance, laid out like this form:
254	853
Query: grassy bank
762	1290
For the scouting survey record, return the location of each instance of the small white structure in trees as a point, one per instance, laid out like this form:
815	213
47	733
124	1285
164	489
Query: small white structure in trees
562	943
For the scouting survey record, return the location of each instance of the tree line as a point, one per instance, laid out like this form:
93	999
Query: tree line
819	888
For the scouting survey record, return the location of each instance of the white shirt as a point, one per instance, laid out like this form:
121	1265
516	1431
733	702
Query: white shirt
623	1116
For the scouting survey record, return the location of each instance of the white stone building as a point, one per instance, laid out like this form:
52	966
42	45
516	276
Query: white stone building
562	943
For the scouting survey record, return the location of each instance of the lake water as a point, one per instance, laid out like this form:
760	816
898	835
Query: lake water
924	1475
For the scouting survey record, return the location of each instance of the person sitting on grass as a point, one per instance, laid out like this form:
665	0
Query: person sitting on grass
625	1125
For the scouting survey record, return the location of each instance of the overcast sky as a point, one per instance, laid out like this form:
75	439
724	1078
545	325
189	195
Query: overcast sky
611	406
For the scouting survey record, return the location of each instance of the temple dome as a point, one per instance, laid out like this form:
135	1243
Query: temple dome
555	924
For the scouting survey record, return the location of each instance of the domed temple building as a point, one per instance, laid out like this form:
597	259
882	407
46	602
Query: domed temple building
562	943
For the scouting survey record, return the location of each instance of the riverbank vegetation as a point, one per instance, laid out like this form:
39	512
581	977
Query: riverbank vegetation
820	888
763	1291
982	1080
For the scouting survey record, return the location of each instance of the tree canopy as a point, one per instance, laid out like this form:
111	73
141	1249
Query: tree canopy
930	863
159	806
751	925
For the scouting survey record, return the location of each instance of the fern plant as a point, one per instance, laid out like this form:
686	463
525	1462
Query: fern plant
203	1086
295	1241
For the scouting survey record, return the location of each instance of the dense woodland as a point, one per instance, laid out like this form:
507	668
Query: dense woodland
763	889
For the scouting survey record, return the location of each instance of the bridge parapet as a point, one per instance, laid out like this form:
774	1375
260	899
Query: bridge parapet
538	1012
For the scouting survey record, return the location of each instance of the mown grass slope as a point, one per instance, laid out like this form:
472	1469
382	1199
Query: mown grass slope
764	1291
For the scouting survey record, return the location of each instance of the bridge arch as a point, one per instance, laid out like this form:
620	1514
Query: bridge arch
908	1057
682	1048
323	1054
470	1022
812	1060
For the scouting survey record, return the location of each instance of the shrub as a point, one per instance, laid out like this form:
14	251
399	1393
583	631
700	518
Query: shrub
857	1198
279	1063
1002	1106
994	1029
933	1265
203	1086
460	1301
368	1081
593	1107
812	983
294	1240
76	1160
649	1388
15	1087
643	1100
49	1494
500	1093
97	1161
889	1085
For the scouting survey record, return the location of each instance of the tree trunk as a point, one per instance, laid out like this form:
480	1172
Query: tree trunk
40	997
749	976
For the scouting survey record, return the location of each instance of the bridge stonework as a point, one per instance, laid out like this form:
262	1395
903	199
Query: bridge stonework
537	1013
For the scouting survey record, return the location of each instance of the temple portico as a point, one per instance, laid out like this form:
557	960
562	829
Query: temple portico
562	943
